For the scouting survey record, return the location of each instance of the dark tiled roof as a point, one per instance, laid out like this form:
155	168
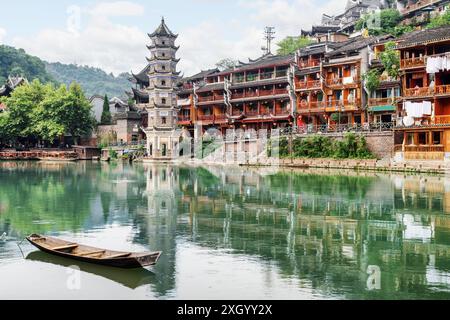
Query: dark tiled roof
211	87
356	44
303	72
266	61
142	77
201	75
319	48
141	94
163	31
423	37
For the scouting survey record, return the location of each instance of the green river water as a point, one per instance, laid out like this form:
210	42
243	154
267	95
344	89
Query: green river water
226	233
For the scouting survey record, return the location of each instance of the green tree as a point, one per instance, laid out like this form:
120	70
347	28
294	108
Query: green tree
390	59
440	20
372	80
291	44
20	111
226	63
384	22
106	114
76	113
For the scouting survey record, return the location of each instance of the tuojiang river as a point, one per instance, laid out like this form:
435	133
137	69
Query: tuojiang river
226	233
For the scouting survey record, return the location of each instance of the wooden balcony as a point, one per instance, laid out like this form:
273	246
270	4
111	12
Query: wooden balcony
237	112
252	113
442	120
342	105
311	107
310	63
280	91
220	118
259	93
383	101
417	62
215	97
442	90
305	85
420	148
206	118
352	80
419	92
184	120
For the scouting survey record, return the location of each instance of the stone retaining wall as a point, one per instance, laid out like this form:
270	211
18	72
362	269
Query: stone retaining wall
36	154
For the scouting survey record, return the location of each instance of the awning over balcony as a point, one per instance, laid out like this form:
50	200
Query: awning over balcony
382	109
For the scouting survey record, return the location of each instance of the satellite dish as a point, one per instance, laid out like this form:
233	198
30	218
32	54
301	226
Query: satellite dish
408	121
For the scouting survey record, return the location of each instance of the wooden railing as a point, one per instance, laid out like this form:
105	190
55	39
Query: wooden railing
412	62
427	91
184	118
382	101
309	63
206	117
442	119
251	113
419	92
215	97
280	91
308	84
259	93
420	148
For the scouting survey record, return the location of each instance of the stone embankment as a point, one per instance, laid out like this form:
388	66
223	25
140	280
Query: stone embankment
433	167
38	155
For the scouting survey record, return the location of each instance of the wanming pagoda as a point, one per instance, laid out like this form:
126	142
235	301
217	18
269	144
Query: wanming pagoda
154	93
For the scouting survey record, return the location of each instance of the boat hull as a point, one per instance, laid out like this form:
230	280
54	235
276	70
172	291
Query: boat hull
138	261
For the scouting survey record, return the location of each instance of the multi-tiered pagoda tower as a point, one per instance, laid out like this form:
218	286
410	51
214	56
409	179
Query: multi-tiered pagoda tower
154	93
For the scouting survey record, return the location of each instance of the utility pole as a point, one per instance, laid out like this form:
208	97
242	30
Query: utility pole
269	35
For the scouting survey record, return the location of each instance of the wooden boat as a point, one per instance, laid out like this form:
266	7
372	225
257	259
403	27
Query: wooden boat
83	253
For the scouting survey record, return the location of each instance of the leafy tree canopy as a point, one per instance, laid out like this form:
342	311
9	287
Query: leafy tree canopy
291	44
226	63
383	22
43	112
440	20
17	62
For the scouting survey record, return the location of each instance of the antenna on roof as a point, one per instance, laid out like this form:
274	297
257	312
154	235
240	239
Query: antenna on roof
269	35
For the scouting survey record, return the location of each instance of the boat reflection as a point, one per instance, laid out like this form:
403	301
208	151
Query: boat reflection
132	278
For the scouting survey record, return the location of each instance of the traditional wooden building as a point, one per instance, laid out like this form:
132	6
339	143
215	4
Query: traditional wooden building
253	95
419	12
154	93
384	102
425	73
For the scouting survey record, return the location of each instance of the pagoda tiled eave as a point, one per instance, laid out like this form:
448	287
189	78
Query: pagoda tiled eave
162	46
163	31
158	59
159	72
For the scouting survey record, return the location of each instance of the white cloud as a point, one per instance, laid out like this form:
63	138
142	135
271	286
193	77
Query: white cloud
208	42
116	47
2	35
118	8
100	43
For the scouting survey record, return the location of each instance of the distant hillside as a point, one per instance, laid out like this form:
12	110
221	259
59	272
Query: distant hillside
93	80
17	62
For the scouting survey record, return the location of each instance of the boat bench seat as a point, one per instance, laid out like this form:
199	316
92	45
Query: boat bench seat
121	255
66	247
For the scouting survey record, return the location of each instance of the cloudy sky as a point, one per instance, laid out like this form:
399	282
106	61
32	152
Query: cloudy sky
112	34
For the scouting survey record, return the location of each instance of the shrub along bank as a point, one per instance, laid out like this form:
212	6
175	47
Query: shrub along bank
352	146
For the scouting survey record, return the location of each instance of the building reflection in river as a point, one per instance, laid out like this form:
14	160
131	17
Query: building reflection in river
327	228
